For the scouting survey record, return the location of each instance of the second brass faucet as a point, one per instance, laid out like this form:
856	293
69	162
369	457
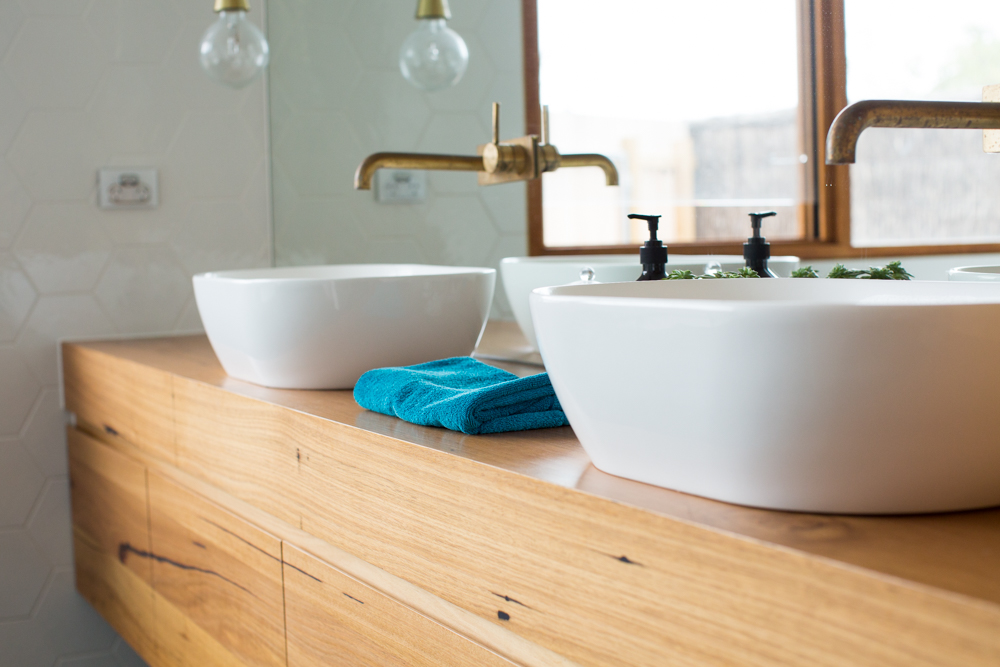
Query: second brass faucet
522	159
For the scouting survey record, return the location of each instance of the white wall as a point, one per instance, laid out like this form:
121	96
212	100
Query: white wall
84	84
337	95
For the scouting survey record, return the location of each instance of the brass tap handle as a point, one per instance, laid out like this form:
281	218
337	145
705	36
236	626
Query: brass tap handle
503	158
545	124
496	123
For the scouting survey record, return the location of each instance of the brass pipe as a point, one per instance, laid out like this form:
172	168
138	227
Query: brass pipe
593	160
366	170
842	139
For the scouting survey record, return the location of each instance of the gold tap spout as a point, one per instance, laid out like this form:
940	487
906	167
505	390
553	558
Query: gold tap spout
366	170
592	160
842	140
521	159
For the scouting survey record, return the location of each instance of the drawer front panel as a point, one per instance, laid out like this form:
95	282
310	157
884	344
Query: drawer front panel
110	527
108	492
333	619
218	570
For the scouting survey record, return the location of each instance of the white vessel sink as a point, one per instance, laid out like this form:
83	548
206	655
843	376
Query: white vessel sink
321	327
845	396
521	275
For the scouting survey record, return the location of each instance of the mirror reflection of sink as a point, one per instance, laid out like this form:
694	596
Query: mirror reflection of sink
975	273
844	396
521	275
321	327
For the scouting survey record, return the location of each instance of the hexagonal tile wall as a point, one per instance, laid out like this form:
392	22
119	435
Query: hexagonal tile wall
144	289
23	483
24	573
17	296
86	84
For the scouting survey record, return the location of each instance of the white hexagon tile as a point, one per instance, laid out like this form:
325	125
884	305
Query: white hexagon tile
86	84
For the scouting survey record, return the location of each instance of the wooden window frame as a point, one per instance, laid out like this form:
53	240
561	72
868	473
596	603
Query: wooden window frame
825	215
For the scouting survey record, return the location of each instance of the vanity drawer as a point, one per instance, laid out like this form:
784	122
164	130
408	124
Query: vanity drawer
110	526
333	619
221	572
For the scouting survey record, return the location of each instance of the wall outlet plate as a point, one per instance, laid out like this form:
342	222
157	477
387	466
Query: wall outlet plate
400	186
128	187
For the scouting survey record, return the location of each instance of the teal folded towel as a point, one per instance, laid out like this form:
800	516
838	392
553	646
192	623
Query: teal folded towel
461	394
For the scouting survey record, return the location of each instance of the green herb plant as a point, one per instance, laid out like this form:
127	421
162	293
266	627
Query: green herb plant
745	272
891	271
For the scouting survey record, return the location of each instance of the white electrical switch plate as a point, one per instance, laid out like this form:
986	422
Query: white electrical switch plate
400	186
128	188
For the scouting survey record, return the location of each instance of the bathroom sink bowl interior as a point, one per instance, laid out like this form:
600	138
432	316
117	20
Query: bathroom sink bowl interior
521	275
845	396
321	327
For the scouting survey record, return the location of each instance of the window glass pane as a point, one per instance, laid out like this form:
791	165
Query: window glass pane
695	102
923	186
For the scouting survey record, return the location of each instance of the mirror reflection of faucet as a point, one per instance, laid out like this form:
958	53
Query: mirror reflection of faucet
522	159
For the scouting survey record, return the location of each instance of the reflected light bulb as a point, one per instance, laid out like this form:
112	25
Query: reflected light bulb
234	51
434	56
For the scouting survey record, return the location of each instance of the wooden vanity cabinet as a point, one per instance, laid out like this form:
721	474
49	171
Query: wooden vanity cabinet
188	582
110	525
333	619
219	570
221	523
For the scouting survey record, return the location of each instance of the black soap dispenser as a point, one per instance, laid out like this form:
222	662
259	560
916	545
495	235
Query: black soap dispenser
756	251
652	254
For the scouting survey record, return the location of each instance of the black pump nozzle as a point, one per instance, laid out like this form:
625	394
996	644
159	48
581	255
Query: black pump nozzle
652	254
756	251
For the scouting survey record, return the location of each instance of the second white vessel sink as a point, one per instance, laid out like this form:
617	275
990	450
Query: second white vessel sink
321	327
521	275
844	396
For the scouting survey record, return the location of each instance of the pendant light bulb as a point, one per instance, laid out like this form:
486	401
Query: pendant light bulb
434	56
233	50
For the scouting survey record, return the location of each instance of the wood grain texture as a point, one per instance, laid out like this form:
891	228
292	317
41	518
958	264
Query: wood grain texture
333	619
109	512
108	495
222	573
134	403
498	639
520	524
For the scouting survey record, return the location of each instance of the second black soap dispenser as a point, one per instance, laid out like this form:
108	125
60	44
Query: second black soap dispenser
756	251
652	254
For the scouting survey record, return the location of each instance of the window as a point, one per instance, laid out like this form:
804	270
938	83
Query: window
716	108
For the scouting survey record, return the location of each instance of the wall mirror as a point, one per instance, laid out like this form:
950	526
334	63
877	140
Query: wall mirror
709	109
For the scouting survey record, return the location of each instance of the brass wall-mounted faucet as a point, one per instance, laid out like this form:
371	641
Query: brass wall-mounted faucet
842	140
521	159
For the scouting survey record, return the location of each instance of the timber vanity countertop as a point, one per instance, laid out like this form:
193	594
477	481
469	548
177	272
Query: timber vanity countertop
521	530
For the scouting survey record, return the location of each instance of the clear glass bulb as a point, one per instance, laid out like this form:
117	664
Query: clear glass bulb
234	51
434	56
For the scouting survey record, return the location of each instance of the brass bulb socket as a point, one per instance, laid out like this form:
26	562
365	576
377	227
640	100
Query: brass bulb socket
231	5
430	9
